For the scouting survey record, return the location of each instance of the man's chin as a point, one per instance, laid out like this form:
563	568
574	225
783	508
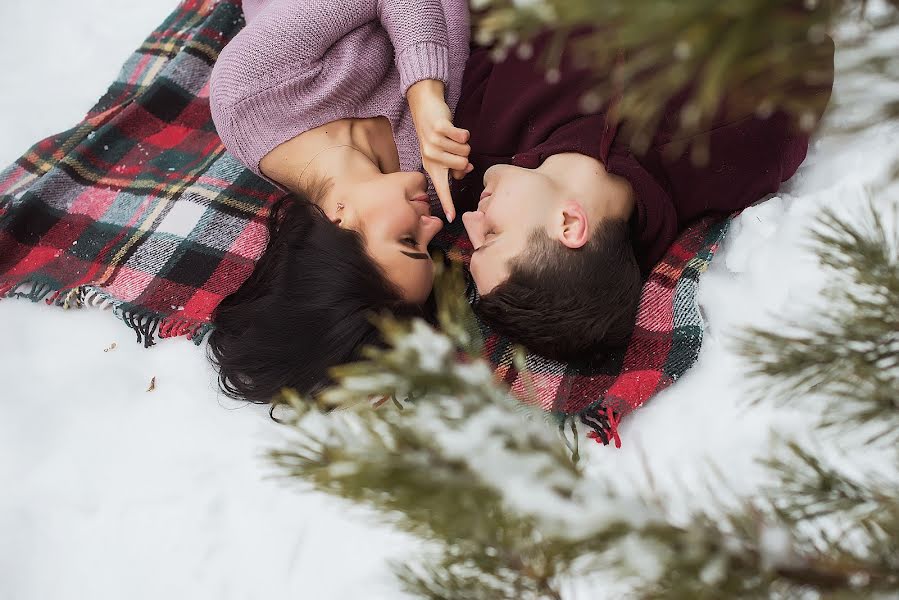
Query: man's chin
487	287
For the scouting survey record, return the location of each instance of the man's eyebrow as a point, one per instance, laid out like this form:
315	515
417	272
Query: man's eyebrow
416	255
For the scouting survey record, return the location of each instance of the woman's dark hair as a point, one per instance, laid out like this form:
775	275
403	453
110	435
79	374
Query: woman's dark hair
305	308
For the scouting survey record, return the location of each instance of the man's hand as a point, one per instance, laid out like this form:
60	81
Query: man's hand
444	147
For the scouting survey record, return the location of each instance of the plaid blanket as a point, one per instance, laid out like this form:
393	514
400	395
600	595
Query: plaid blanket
665	344
140	208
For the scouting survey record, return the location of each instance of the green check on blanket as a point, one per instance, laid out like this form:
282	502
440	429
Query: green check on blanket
139	207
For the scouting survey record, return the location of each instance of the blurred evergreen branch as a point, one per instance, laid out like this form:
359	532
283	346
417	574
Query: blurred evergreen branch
848	353
810	489
449	456
440	467
418	361
761	56
386	460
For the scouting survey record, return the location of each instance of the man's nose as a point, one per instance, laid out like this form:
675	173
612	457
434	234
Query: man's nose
474	226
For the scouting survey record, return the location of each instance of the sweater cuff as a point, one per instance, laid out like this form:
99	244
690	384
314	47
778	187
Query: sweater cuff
418	62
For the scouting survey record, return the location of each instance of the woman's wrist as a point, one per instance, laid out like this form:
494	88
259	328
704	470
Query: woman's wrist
423	92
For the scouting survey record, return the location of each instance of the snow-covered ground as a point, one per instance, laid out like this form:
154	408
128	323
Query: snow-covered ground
109	491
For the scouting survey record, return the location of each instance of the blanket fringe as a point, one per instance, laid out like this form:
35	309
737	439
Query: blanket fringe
31	289
571	444
604	424
176	327
36	290
146	324
94	298
143	324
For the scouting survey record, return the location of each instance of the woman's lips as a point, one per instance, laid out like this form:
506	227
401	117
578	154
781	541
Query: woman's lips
425	200
486	194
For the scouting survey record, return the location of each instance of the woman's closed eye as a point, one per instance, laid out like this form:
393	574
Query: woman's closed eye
410	241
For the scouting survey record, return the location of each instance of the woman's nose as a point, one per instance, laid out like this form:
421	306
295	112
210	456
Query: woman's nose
429	228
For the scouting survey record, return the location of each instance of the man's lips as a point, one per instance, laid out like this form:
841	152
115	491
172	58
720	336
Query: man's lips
484	195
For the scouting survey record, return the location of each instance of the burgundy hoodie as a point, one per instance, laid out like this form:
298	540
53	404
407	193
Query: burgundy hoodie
517	117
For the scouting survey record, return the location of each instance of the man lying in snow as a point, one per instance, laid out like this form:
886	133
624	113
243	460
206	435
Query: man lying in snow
566	219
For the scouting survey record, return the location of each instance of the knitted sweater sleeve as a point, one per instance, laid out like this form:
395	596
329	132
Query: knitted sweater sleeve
301	63
418	31
290	37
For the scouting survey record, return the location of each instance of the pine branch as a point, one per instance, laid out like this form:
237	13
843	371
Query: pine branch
420	361
420	462
647	54
389	460
380	458
850	353
748	554
809	489
394	457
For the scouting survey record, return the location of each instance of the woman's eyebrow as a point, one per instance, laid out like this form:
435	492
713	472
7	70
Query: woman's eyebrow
416	255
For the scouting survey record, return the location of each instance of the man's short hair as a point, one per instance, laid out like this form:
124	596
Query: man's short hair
569	303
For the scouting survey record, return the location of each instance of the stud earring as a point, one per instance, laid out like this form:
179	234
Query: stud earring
340	206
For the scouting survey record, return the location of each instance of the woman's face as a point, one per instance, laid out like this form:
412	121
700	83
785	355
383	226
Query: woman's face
392	213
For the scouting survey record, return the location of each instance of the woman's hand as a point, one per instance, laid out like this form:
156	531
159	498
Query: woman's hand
444	147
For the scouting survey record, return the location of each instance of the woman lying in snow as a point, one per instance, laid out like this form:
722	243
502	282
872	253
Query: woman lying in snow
324	100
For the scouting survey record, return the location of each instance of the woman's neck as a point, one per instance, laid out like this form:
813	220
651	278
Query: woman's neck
353	149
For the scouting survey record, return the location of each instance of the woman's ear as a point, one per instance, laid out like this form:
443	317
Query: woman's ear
573	229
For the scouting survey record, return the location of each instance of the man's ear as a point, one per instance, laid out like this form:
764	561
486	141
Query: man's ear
573	229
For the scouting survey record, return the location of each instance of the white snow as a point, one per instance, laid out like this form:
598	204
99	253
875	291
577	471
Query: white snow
109	491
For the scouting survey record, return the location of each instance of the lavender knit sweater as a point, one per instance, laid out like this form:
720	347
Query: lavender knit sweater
299	64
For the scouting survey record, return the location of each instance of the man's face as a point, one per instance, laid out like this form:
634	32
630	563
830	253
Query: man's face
515	203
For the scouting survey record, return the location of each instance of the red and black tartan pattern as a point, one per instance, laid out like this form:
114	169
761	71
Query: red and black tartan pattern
139	206
665	344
